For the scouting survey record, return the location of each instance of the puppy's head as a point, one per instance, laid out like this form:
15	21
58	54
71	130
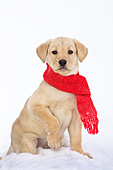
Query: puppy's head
62	54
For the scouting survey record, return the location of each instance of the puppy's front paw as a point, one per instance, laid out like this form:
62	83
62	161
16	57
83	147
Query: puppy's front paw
53	142
79	149
88	154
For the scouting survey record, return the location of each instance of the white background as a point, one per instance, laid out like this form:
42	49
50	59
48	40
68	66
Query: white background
24	25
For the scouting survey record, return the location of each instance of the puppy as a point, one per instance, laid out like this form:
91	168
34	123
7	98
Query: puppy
49	112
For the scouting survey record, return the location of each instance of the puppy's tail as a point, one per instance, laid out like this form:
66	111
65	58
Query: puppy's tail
9	151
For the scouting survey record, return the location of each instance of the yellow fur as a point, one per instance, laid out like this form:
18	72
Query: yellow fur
49	111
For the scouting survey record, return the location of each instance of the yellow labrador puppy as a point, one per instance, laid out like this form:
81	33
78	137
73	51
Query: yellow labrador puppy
49	112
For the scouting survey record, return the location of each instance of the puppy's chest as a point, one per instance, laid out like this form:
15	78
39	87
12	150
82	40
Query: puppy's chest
62	110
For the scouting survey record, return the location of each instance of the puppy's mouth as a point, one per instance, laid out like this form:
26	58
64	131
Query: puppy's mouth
63	68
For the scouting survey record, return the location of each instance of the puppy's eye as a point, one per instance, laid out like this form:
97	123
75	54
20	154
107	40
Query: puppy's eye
70	52
54	52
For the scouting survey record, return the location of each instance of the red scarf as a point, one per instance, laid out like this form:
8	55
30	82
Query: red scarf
77	85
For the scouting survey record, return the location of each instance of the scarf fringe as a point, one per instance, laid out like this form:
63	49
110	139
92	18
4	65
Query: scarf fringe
88	113
91	126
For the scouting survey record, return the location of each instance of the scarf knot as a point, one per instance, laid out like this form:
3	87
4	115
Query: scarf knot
76	84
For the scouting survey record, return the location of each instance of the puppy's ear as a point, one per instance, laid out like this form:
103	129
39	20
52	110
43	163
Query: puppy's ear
42	50
82	51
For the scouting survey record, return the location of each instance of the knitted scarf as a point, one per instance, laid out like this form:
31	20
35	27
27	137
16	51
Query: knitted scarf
77	85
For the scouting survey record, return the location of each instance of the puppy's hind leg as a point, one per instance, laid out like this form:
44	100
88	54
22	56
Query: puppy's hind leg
29	145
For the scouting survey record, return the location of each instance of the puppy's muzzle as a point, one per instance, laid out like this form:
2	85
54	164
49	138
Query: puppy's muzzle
62	62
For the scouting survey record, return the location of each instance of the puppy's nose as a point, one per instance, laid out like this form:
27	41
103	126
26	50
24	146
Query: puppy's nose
62	62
